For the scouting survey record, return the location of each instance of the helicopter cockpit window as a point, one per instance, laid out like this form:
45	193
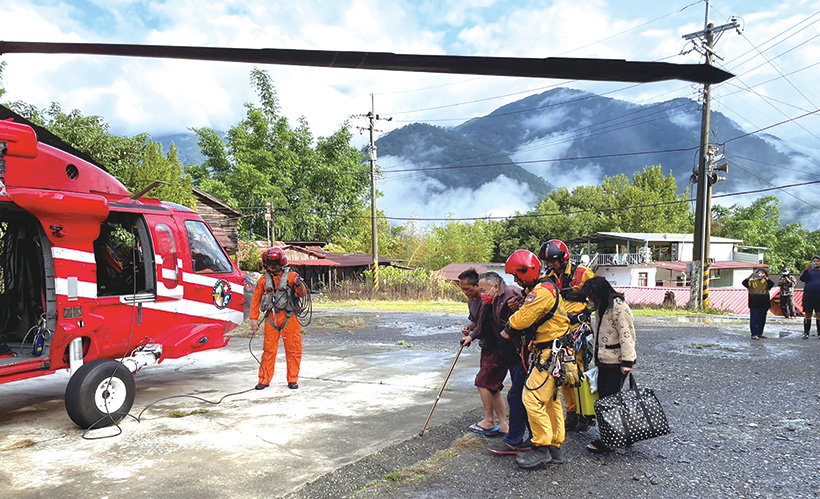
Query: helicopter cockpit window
120	257
207	256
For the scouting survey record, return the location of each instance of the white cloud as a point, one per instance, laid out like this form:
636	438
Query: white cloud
423	197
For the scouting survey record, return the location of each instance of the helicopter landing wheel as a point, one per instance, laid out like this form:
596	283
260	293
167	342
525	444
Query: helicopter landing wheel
100	394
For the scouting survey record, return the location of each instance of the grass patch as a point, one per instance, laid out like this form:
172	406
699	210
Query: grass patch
20	444
657	310
701	346
352	324
417	473
403	343
182	414
442	306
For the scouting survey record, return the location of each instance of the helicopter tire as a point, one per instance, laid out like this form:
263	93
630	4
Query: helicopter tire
100	394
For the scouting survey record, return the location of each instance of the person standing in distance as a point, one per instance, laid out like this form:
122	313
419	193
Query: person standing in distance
811	295
758	285
275	296
786	283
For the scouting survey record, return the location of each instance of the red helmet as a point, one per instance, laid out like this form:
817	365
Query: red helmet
274	256
523	264
554	250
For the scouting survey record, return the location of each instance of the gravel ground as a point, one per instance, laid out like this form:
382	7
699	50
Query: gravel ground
744	416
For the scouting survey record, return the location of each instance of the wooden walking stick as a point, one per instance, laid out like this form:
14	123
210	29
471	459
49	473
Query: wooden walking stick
421	433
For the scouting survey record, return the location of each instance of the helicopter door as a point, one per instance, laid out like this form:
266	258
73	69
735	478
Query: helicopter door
124	257
168	260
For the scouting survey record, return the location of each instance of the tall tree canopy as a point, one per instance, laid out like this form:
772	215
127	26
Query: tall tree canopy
135	161
317	188
759	225
649	203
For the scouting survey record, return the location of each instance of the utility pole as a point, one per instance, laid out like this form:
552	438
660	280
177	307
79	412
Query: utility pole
704	174
371	151
268	216
375	238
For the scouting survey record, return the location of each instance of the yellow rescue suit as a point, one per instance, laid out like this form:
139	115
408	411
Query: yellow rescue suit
544	409
573	277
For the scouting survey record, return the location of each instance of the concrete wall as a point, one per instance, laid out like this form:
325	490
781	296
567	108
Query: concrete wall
627	276
718	251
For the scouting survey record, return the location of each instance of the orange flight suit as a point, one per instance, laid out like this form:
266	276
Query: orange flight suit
290	329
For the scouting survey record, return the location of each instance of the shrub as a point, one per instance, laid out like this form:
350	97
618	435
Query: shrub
398	284
250	258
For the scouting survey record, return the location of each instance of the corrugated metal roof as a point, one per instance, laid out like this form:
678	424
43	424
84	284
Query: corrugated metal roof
650	237
319	262
726	299
725	264
452	271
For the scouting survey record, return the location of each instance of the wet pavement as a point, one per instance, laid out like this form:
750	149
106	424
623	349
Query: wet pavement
744	415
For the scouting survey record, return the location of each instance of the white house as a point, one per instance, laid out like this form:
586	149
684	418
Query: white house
660	259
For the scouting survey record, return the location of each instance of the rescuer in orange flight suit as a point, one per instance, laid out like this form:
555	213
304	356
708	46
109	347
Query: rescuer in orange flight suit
281	319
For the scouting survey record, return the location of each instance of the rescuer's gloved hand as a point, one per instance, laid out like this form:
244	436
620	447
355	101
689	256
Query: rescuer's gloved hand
571	374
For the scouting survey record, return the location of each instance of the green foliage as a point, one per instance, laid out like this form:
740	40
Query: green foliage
585	210
397	283
249	258
316	190
135	161
2	66
759	225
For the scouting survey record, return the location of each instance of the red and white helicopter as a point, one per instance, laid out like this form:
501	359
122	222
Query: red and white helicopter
102	282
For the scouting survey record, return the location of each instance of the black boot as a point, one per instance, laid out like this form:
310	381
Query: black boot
584	423
571	421
536	457
556	454
806	328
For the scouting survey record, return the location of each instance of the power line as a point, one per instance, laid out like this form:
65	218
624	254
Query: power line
548	215
598	210
633	28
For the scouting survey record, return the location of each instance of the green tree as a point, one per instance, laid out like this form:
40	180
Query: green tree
759	225
648	203
316	186
135	161
2	66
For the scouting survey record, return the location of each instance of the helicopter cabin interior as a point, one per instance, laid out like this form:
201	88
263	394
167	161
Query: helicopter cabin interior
24	324
27	293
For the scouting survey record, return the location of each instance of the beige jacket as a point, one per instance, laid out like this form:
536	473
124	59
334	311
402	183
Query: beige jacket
615	336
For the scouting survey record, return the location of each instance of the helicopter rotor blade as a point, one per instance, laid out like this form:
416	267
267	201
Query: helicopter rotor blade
550	67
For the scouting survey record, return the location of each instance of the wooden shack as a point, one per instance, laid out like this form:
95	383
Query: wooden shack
223	219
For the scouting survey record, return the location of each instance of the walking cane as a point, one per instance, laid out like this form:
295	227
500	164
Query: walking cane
421	433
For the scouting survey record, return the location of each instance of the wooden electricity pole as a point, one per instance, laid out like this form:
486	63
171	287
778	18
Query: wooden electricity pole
704	174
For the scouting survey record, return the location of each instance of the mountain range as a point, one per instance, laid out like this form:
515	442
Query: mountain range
564	138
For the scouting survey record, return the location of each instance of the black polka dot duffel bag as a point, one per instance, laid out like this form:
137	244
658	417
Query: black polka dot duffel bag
630	416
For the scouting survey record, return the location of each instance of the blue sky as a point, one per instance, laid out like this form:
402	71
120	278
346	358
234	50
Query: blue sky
137	95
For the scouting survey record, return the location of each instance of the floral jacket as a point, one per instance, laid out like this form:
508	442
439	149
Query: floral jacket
615	336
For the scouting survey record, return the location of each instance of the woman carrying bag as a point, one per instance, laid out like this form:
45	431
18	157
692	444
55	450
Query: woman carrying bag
614	344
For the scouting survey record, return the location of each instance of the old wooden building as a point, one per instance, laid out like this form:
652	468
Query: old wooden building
223	219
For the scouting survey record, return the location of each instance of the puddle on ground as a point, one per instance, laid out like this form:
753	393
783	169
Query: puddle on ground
728	348
702	320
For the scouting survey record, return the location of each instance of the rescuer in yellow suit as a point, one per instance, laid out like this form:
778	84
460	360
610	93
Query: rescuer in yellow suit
542	319
569	277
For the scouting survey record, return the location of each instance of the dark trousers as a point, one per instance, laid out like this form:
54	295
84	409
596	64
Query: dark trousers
610	379
757	320
787	305
519	425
